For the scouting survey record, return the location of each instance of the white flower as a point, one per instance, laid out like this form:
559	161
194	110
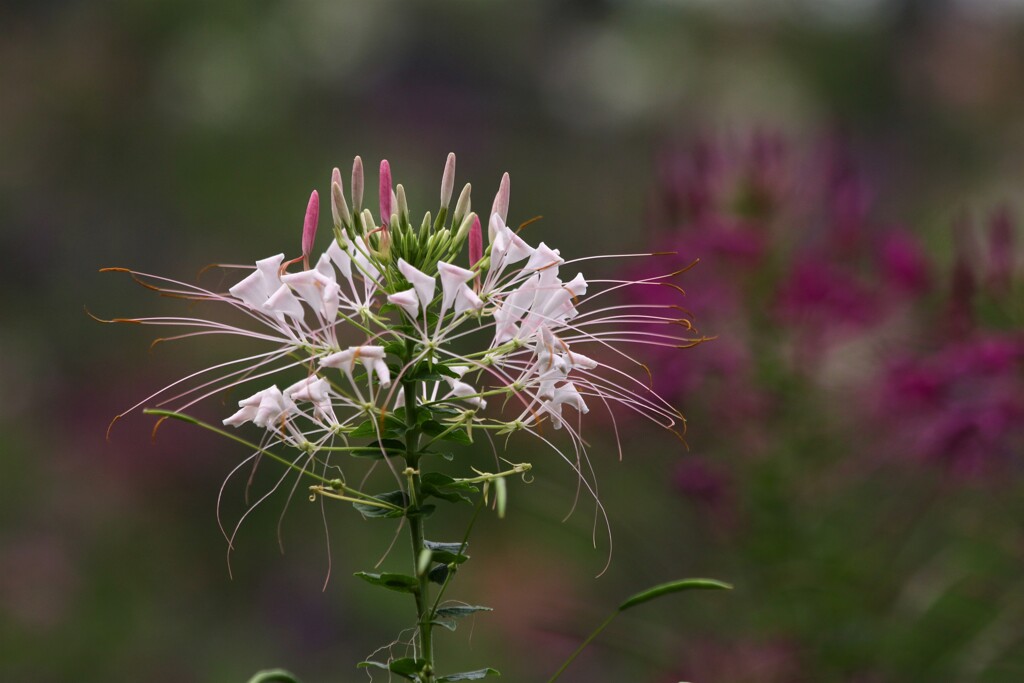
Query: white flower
508	326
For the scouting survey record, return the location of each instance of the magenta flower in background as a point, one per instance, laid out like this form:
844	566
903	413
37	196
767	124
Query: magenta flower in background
961	407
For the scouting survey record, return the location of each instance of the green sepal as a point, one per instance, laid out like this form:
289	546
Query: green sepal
446	553
469	675
402	583
274	676
673	587
396	498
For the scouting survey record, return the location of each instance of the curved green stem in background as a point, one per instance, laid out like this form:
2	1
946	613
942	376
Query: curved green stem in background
639	599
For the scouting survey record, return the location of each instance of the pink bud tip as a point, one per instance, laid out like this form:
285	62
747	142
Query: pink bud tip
476	242
385	191
336	176
500	205
309	225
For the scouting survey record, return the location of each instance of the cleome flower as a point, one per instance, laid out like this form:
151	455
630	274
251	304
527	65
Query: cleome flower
483	334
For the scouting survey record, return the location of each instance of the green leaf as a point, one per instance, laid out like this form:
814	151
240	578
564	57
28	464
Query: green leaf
373	450
436	429
673	587
274	676
376	512
469	675
368	429
370	663
408	667
443	454
446	553
444	487
425	372
395	348
446	623
461	611
439	573
402	583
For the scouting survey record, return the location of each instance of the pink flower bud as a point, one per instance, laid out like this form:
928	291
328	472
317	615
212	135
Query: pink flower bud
476	248
357	184
385	192
476	243
309	225
500	205
448	181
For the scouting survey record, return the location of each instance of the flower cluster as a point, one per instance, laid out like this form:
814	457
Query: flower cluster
806	285
386	316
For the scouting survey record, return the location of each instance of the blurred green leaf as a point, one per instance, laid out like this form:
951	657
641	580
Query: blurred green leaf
470	675
402	583
673	587
274	676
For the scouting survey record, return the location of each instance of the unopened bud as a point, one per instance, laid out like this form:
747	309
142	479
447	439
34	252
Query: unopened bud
385	192
476	242
463	228
339	207
309	225
448	181
357	184
462	206
369	224
401	204
500	205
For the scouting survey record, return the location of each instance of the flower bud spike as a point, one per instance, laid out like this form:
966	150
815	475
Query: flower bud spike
309	226
385	192
448	181
357	184
462	206
500	205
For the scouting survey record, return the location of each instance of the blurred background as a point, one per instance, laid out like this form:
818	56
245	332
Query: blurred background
849	172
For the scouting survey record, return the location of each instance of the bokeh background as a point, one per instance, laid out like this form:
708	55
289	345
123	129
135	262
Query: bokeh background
848	172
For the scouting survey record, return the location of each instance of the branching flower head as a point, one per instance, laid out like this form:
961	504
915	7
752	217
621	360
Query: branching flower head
481	331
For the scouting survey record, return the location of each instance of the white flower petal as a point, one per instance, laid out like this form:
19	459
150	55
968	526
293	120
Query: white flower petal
423	284
283	302
408	300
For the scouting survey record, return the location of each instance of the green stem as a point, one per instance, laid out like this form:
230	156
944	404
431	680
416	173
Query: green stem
594	634
422	595
462	551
